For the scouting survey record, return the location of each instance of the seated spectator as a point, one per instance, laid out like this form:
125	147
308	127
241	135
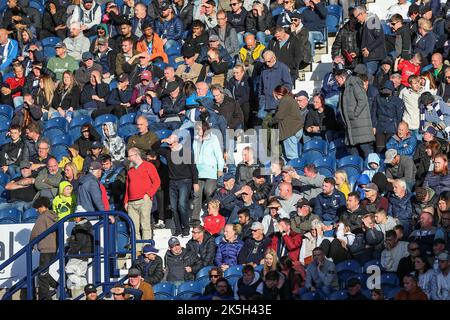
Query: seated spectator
94	94
424	274
302	221
254	248
214	274
227	195
249	285
352	217
329	204
321	275
425	235
140	19
246	222
439	178
150	264
89	14
198	36
145	139
67	96
426	43
181	264
321	121
440	278
407	265
393	252
11	46
424	197
21	189
88	136
384	222
400	206
229	247
105	56
76	43
83	74
275	287
286	241
255	210
227	34
411	291
94	155
287	198
137	282
12	153
127	55
29	114
189	70
408	67
429	135
399	167
244	170
40	159
373	165
426	163
354	290
342	185
434	112
260	21
260	187
214	222
169	27
12	88
48	179
65	202
403	142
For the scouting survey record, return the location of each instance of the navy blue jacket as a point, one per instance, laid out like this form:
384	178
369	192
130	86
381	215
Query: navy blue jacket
387	112
135	21
315	20
400	208
256	212
270	78
118	96
371	36
228	200
170	30
89	193
425	45
329	208
248	254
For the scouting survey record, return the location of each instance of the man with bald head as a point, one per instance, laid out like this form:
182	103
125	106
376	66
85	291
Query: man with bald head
246	196
250	54
404	142
145	139
9	49
48	179
438	68
287	198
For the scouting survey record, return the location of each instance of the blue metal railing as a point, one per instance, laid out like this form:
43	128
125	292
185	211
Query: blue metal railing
58	227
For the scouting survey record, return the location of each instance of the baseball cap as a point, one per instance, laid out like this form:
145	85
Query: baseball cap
257	173
146	75
149	248
88	1
173	242
165	6
296	15
96	145
228	176
171	87
60	45
25	164
123	77
86	56
431	130
390	155
371	187
257	226
213	37
302	202
302	93
89	288
134	272
188	52
443	256
360	69
95	166
102	40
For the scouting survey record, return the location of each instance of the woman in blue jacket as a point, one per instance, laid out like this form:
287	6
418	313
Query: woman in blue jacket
229	248
208	157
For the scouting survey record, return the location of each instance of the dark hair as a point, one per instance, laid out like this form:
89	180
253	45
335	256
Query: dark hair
434	146
198	24
42	202
399	227
33	127
426	98
396	18
321	97
105	157
272	275
286	220
341	73
330	180
189	88
421	193
390	233
248	268
363	77
354	194
219	271
282	90
244	211
15	127
311	168
318	249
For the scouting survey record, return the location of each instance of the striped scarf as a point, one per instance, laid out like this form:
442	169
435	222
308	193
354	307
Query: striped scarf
423	111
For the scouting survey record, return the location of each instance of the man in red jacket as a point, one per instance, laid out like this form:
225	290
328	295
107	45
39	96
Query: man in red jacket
142	183
286	241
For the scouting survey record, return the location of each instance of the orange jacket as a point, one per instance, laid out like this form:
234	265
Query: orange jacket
417	294
157	49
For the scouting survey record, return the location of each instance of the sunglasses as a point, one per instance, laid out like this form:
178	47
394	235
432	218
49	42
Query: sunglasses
234	4
214	276
413	249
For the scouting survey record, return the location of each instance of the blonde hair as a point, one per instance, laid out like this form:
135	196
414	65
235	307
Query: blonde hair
49	88
74	169
425	24
274	264
343	174
237	228
215	204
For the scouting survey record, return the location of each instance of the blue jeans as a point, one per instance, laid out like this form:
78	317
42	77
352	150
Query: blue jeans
313	37
372	67
179	191
326	291
290	145
263	38
170	47
13	171
333	101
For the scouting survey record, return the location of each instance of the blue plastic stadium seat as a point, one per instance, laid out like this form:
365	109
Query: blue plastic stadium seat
312	296
6	110
128	118
64	140
37	5
50	41
49	52
122	237
30	215
79	121
232	274
162	134
392	292
105	118
310	156
338	295
164	291
351	161
10	216
325	162
188	290
316	144
53	133
75	133
389	280
352	181
367	293
58	122
203	276
334	17
296	164
371	263
4	179
349	265
59	152
127	130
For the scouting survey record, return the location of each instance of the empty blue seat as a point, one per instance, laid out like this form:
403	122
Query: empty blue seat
49	52
4	139
30	215
310	156
50	41
6	110
58	122
53	133
297	163
233	273
4	179
164	291
334	17
349	265
352	181
127	130
75	133
59	152
79	121
203	276
4	126
64	140
10	216
351	161
391	293
38	6
105	118
311	296
325	162
338	295
187	290
374	262
389	280
316	144
128	118
162	134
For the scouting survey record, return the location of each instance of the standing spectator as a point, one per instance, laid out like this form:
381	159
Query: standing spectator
426	40
314	18
141	185
371	37
150	264
145	139
203	245
345	44
47	247
400	205
184	9
90	195
393	252
229	247
355	112
237	18
181	264
255	247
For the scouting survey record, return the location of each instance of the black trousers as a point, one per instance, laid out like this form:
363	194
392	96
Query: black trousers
45	280
335	250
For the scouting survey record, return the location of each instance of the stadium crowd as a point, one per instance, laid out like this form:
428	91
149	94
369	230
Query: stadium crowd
101	99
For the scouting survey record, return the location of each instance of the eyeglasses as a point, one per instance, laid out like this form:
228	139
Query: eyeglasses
447	77
295	20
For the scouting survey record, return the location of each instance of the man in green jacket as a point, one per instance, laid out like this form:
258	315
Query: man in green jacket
62	61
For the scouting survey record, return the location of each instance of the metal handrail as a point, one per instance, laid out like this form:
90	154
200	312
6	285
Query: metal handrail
59	228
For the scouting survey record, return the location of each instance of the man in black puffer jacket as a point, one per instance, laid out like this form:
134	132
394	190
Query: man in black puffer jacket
181	264
202	245
346	42
150	264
